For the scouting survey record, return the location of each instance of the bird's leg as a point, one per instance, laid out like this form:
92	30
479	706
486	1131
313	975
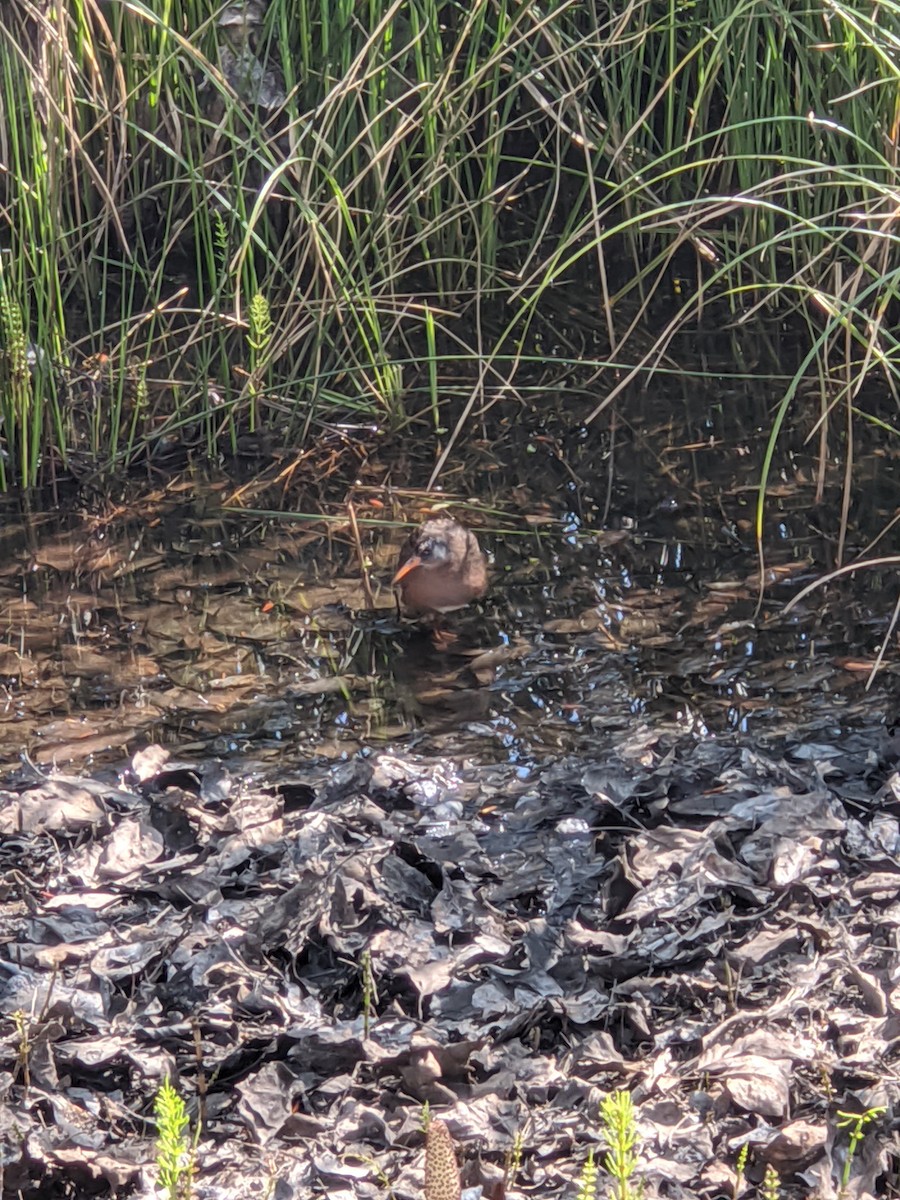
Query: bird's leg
442	637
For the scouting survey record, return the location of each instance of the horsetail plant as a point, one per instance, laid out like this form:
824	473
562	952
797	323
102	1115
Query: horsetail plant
174	1152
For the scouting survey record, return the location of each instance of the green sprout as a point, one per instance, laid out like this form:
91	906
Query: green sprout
174	1157
856	1124
617	1116
587	1181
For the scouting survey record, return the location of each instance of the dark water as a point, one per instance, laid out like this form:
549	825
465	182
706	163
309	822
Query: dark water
260	638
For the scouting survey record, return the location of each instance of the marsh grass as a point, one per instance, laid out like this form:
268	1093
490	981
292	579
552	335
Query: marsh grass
380	212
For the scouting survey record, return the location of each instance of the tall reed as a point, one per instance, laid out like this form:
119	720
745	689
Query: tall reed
415	194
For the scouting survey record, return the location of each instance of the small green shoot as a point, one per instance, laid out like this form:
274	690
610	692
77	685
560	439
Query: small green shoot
740	1168
23	1054
260	334
617	1117
220	242
15	381
513	1162
174	1157
259	339
587	1181
855	1124
771	1184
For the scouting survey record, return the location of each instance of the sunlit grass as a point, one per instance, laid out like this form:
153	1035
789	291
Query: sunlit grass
415	192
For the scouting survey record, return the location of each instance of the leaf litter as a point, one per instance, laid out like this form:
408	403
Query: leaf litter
533	945
505	918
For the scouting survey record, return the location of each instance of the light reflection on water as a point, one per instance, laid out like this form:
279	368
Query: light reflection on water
197	637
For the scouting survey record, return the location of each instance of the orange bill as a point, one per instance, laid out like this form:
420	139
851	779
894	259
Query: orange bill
409	565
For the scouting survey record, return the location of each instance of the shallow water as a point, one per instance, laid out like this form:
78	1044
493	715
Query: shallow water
222	634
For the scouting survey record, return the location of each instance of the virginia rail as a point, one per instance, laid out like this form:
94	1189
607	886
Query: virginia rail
440	568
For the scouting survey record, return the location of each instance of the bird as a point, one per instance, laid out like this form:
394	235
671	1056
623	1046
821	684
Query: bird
440	568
